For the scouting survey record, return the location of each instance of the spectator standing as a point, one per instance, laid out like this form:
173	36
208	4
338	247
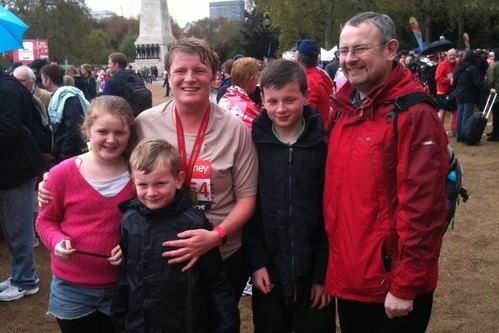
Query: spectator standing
20	162
36	65
289	250
319	83
227	80
166	84
86	73
78	81
27	77
385	201
468	84
493	84
67	109
245	73
115	86
443	76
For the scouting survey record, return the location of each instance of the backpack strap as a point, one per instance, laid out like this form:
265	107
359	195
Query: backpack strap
402	103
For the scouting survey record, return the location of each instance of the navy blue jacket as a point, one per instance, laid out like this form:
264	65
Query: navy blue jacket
286	234
157	296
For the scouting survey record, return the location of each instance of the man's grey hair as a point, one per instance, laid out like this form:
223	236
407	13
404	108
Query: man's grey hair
382	21
25	71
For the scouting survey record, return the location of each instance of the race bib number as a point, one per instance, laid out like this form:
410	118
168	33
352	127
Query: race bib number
201	184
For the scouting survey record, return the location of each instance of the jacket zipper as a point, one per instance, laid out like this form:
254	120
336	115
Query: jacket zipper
291	231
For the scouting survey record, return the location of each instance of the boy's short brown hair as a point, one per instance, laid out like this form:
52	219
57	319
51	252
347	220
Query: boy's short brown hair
282	72
149	152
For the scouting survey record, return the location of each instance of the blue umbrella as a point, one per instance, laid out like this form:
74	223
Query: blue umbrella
11	31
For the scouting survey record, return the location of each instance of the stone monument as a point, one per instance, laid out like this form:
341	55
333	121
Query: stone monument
155	35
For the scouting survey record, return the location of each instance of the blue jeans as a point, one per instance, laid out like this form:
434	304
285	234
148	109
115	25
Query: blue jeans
16	220
464	112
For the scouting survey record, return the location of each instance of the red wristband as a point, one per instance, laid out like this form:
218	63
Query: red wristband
222	233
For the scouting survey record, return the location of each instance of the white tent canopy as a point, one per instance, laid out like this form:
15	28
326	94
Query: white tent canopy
328	55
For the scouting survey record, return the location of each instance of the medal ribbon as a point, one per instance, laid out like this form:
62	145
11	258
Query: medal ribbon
188	167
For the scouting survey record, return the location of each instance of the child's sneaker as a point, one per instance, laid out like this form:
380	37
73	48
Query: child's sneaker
12	293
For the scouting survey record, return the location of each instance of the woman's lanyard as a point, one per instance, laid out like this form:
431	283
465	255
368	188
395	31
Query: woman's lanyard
188	167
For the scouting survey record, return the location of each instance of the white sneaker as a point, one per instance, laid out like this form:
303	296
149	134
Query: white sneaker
6	284
12	293
248	289
36	243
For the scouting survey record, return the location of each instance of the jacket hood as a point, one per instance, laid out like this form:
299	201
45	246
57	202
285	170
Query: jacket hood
262	128
179	204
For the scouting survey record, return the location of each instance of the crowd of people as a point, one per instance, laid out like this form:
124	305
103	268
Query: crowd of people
287	174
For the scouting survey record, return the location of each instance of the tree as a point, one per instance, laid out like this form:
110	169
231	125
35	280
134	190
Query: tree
224	36
260	37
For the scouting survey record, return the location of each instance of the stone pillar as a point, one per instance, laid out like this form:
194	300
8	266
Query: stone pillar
155	34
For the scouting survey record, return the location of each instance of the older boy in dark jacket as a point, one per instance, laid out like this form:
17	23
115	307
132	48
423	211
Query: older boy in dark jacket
288	255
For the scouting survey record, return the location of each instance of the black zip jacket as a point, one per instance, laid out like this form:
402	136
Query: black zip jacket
286	234
20	158
158	297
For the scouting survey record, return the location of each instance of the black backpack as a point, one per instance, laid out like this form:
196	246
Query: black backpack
454	182
136	93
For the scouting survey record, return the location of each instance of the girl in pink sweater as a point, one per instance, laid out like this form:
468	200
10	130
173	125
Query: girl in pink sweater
80	226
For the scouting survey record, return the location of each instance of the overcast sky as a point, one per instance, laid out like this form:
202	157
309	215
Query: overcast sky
183	11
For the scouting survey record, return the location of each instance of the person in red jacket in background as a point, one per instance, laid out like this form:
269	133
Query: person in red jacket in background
320	85
444	76
384	196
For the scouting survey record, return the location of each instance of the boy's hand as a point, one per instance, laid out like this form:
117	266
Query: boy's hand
44	196
261	280
319	297
397	307
191	245
116	256
63	250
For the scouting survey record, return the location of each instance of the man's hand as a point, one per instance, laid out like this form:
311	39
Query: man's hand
397	307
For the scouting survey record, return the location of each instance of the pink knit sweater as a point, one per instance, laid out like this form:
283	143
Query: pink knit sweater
79	213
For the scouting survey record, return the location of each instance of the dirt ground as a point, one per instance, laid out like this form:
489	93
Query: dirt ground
466	297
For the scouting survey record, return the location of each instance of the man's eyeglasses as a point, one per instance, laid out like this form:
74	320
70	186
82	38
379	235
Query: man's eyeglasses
358	51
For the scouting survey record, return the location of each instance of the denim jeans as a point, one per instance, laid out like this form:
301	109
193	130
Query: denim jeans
16	220
464	112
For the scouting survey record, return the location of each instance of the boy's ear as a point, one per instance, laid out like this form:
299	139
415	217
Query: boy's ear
180	180
306	95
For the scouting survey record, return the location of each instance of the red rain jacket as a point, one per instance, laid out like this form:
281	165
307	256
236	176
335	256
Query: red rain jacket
384	194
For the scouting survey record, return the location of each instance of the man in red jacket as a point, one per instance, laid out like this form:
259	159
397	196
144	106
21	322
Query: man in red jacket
384	199
320	85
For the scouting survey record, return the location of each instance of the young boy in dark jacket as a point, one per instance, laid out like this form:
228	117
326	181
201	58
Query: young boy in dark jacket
156	296
286	237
